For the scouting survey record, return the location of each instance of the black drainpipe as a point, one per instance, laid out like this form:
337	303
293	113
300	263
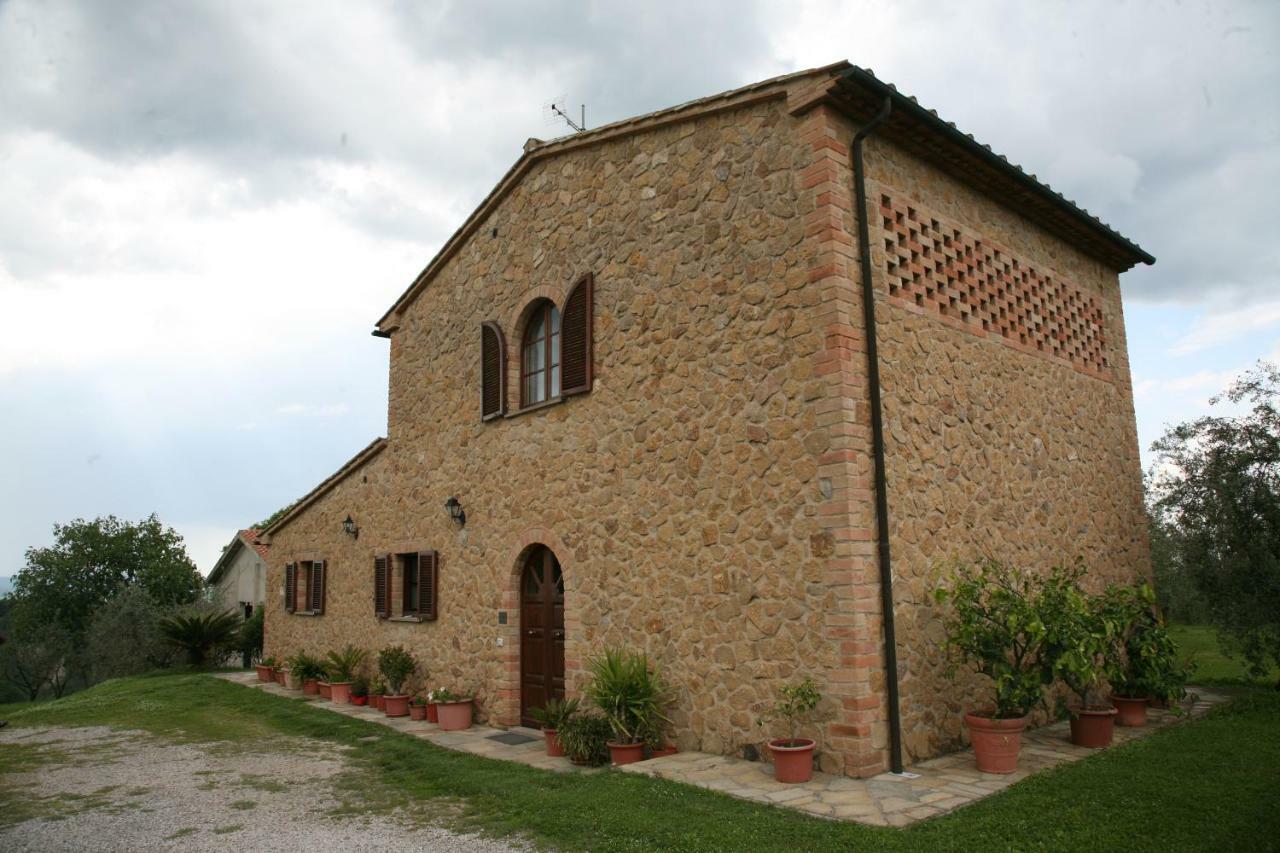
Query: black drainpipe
877	438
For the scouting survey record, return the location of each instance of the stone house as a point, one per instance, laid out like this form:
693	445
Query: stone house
238	580
642	374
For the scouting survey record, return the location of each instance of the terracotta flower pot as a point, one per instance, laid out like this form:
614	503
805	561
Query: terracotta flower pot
396	706
360	701
379	701
1130	711
325	693
792	759
265	673
454	716
311	687
340	691
554	749
1093	727
996	742
433	714
417	712
669	749
626	753
280	676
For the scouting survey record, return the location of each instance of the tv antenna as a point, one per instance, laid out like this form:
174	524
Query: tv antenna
557	110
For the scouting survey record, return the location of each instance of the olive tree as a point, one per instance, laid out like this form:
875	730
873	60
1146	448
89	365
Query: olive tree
1217	485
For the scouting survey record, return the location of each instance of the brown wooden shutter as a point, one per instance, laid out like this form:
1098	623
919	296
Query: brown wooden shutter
575	338
382	586
428	583
315	586
290	587
493	371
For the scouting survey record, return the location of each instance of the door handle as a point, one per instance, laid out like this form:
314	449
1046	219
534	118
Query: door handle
557	635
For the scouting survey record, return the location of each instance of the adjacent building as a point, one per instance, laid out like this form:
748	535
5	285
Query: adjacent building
238	580
637	400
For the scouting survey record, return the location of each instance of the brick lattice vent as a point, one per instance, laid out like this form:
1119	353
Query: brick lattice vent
937	268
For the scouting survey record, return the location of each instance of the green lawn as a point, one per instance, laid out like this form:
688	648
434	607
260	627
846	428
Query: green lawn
1211	784
1212	666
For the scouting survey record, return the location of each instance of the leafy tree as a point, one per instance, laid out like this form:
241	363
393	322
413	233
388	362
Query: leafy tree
1218	485
34	664
90	561
124	636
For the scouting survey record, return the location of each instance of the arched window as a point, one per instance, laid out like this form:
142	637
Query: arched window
540	356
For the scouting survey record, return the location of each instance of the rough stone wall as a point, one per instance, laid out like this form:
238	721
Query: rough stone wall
681	495
1020	448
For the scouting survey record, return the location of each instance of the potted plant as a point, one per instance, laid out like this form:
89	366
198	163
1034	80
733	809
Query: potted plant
1080	646
306	672
377	693
631	694
453	710
418	707
1147	666
343	666
585	738
993	624
433	711
396	665
793	755
266	668
551	717
323	687
360	691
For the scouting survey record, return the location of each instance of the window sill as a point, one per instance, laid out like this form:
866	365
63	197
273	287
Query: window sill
306	613
404	619
545	404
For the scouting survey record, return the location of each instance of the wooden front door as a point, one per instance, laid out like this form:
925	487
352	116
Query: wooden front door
541	632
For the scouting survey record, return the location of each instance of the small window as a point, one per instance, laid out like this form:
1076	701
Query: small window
540	356
304	586
409	563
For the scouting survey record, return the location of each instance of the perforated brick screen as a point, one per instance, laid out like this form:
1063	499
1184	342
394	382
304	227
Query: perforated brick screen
942	269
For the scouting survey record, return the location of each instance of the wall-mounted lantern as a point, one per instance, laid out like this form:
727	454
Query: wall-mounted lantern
349	528
456	511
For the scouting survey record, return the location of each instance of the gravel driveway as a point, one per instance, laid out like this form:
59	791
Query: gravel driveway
95	788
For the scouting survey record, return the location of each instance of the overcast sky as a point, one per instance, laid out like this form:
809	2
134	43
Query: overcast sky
204	207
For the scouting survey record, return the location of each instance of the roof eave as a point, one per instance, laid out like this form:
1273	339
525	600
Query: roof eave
986	169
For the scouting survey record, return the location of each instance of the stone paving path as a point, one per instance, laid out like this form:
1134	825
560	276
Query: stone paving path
929	788
475	740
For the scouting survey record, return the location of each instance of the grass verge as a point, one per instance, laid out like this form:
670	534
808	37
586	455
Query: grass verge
1212	784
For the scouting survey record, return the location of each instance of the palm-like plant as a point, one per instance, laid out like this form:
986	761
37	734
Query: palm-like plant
555	713
629	691
305	667
343	665
200	634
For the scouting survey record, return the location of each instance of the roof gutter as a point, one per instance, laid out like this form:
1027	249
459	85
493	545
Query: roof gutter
877	437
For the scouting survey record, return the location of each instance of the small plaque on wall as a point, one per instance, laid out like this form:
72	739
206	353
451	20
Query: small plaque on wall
502	617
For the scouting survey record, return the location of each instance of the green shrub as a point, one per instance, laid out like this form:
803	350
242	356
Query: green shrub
993	623
305	667
1148	662
629	692
585	738
250	638
795	701
396	665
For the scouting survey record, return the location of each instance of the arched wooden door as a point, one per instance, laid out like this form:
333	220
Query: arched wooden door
541	632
